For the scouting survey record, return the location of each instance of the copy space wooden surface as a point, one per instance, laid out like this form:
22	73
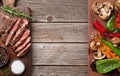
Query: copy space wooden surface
59	37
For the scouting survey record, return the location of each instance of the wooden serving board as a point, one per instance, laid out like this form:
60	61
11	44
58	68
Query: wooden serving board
26	59
91	17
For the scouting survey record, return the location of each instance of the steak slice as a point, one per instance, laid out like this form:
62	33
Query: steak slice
24	36
7	29
20	31
14	28
12	21
6	21
23	45
24	50
3	22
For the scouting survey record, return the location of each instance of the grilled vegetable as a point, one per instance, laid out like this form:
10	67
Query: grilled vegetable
107	65
110	24
103	9
117	21
114	49
99	26
98	55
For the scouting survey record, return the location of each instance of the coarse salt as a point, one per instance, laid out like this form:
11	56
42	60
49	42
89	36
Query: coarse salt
17	67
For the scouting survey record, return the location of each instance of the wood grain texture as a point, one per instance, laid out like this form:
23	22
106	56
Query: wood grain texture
59	32
51	46
59	71
59	54
57	10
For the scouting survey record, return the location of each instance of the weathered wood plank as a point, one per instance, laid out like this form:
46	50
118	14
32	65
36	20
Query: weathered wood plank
59	32
57	10
59	54
59	71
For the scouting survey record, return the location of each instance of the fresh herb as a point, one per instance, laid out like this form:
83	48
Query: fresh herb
5	71
16	13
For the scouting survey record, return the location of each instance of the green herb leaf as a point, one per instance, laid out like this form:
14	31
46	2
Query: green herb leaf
5	71
16	13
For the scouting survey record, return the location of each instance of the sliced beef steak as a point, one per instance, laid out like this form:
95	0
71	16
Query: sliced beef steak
22	39
6	22
15	32
19	32
24	50
23	45
12	32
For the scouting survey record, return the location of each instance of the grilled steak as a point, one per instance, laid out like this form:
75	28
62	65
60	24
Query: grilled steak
13	30
20	31
23	45
6	22
8	28
24	36
10	24
24	51
3	22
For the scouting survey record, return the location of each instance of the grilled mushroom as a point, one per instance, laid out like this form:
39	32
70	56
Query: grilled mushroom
117	6
103	9
104	14
116	41
98	55
97	6
94	45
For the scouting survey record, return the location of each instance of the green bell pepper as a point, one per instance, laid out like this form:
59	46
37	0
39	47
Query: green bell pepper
110	24
116	30
107	65
114	49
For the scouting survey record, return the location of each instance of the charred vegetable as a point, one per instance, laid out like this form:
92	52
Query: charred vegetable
98	55
107	65
103	9
115	49
110	24
117	6
117	21
103	31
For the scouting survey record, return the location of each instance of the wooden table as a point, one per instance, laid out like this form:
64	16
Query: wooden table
59	37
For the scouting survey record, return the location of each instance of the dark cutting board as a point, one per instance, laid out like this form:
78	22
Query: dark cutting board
27	58
91	17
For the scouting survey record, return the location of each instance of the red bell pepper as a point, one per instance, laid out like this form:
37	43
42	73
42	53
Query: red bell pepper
117	21
103	31
111	34
99	26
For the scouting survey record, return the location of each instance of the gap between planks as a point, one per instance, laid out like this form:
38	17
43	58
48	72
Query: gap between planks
33	21
59	54
59	71
62	42
57	10
59	32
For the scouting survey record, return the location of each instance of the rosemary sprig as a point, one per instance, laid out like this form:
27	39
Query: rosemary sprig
6	71
16	13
